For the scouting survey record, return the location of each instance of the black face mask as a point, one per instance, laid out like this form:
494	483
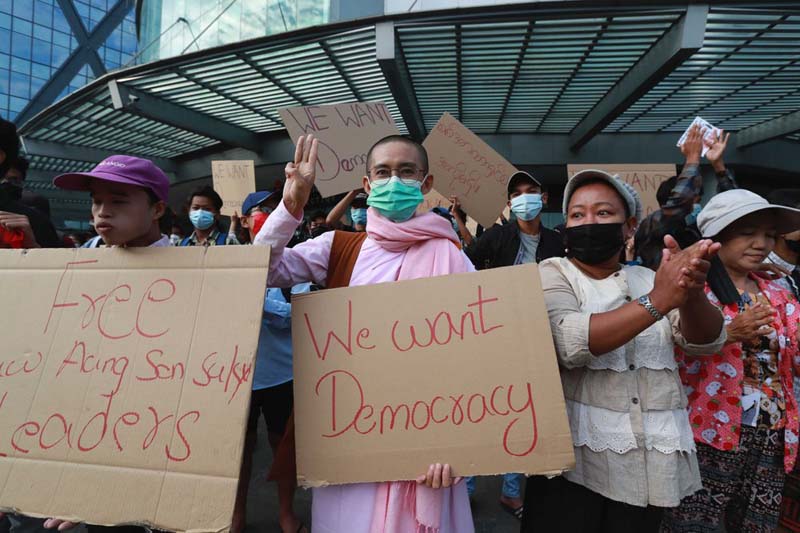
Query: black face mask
794	246
594	243
319	230
10	190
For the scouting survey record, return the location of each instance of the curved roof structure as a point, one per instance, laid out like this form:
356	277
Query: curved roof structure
544	83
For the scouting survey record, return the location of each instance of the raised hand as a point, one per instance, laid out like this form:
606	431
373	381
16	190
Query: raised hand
300	175
692	147
716	148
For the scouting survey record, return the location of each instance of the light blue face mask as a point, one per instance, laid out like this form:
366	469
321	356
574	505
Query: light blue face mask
527	206
691	218
201	219
397	199
359	216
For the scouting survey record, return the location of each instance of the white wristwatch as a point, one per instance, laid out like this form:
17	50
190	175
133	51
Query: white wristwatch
645	302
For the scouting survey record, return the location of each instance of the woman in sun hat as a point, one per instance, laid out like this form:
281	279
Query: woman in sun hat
741	406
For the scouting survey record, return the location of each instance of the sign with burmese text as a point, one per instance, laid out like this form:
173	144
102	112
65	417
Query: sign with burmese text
390	382
345	132
646	179
124	388
464	166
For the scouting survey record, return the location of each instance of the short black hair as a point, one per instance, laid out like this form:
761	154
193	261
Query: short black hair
318	214
785	197
423	153
21	164
665	189
207	191
9	144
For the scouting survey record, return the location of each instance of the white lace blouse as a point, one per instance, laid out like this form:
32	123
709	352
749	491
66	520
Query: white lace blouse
626	408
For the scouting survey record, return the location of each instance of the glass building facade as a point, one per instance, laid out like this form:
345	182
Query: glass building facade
173	27
36	39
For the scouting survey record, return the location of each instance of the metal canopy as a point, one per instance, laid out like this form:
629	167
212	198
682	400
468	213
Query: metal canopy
501	71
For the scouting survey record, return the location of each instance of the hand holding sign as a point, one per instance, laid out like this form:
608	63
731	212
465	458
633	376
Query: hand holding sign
300	175
692	147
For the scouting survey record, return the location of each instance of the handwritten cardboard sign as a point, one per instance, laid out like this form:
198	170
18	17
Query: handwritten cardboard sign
124	384
463	165
346	132
644	178
233	181
434	199
391	382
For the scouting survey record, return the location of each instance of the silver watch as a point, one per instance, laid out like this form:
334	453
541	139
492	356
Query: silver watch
645	302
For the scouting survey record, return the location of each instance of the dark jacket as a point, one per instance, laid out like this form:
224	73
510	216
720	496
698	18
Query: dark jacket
499	246
43	229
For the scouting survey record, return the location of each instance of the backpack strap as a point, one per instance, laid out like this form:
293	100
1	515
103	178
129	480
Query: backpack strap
344	252
185	241
222	238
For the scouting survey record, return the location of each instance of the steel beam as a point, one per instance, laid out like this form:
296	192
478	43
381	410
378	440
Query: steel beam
390	58
75	62
85	153
766	131
79	31
675	46
146	105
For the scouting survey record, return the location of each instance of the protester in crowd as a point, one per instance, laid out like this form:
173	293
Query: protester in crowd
786	253
397	245
524	240
317	224
741	402
129	196
678	213
614	329
17	174
272	394
205	206
176	234
20	226
356	201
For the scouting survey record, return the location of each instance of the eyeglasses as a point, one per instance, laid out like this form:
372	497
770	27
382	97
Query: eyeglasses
407	173
261	208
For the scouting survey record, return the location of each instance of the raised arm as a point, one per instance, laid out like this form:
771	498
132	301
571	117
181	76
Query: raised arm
341	208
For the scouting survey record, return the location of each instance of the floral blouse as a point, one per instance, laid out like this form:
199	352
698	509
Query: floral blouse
716	385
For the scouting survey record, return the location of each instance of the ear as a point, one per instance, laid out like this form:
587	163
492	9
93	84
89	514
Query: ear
545	197
159	208
629	229
244	220
365	183
427	185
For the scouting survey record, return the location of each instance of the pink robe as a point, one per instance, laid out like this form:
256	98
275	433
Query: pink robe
347	508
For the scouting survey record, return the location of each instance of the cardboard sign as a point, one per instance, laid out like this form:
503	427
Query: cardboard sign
233	181
463	165
709	136
346	132
391	382
644	178
124	383
434	199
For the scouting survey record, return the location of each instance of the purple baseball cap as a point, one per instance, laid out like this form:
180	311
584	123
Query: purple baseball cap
119	169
